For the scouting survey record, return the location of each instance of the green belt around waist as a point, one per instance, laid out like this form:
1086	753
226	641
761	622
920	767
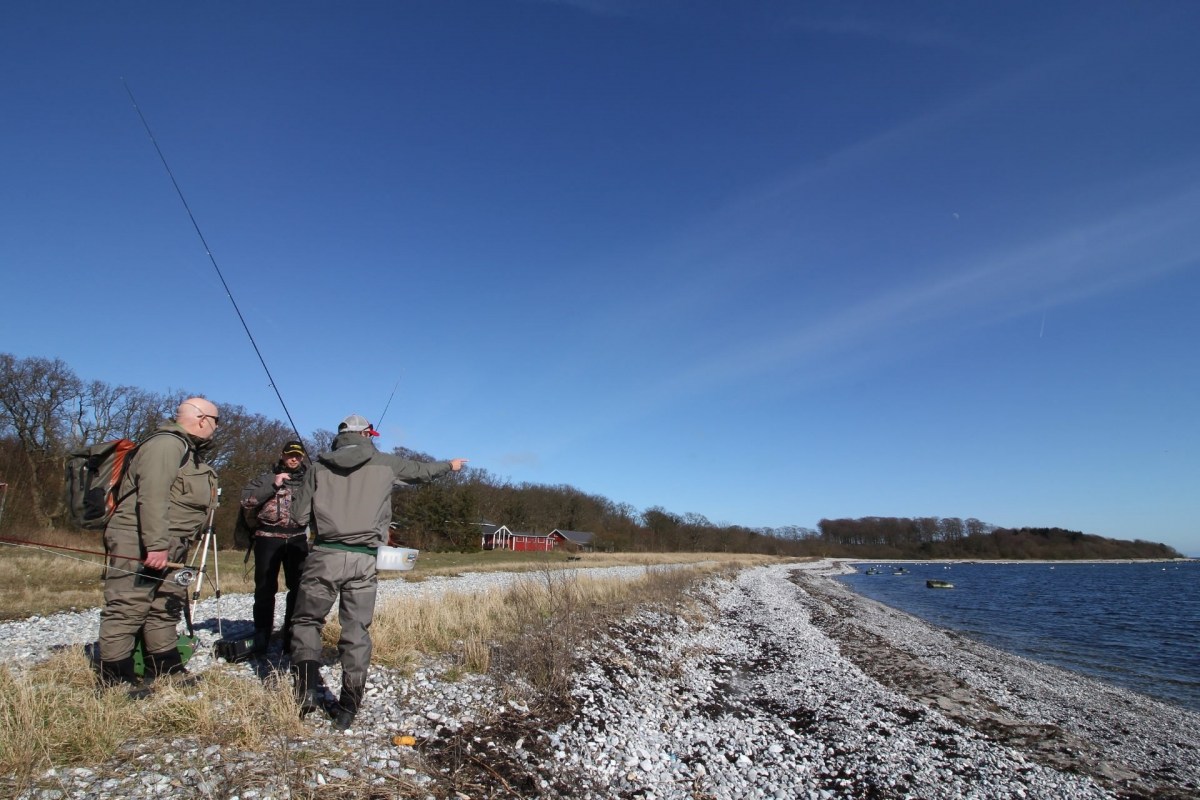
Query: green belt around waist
351	548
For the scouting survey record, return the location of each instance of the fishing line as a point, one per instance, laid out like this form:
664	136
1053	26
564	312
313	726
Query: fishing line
211	258
184	575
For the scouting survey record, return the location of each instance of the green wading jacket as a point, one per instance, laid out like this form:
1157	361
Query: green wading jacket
346	497
165	497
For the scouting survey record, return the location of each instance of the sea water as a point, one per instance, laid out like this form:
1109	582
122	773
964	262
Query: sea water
1134	625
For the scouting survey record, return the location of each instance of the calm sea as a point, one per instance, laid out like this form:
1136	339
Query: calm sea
1135	625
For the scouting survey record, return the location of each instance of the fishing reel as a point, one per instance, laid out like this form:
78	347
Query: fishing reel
185	576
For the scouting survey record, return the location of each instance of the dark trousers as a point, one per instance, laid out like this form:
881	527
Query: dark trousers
270	554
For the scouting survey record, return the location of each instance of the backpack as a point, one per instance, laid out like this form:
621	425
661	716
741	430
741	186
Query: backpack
94	476
243	530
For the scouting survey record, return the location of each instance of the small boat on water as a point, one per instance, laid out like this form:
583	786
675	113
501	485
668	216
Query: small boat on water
899	571
939	585
874	571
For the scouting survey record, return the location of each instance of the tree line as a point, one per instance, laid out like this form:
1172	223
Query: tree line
951	537
47	411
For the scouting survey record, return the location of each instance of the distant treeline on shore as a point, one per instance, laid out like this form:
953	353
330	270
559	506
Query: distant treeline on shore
950	537
47	411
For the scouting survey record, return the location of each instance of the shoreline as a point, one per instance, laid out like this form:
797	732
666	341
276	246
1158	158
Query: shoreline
1058	716
831	694
1183	560
1109	620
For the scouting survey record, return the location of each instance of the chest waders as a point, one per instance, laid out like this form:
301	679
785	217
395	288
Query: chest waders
186	644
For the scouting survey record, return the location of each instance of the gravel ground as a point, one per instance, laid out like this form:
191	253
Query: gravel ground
779	683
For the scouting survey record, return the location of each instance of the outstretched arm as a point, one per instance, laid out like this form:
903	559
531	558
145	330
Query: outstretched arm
420	472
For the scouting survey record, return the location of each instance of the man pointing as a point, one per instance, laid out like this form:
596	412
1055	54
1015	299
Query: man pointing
346	501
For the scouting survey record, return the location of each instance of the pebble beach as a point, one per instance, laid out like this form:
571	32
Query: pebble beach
778	682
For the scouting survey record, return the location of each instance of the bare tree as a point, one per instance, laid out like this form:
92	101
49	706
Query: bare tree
103	412
35	395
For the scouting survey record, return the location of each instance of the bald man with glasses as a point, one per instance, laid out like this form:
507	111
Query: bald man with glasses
163	503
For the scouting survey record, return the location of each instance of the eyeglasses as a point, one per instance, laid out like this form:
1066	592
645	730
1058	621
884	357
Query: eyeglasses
216	420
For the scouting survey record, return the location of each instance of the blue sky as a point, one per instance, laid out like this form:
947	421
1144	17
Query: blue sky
766	262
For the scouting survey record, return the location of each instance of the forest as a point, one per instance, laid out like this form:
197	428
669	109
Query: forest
47	411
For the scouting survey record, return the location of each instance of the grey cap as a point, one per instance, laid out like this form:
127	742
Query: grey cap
355	423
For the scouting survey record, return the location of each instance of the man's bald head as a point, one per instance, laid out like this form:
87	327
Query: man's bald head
198	417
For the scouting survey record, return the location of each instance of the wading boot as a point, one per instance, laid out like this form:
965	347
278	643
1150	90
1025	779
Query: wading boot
122	674
310	689
347	707
262	640
159	665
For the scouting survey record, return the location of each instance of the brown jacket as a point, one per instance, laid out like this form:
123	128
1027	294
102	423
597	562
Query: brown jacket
167	491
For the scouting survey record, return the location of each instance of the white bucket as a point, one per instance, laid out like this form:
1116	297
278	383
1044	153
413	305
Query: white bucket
396	558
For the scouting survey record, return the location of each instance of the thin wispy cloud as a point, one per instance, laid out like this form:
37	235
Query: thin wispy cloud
896	31
603	8
750	234
1125	248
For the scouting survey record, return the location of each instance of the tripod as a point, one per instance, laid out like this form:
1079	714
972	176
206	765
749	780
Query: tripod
208	541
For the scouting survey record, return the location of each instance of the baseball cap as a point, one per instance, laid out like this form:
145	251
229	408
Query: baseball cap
294	448
357	424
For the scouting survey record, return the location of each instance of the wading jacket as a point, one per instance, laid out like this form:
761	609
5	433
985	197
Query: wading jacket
346	497
167	490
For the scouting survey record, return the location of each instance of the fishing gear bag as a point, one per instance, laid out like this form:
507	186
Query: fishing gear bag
186	645
93	480
234	650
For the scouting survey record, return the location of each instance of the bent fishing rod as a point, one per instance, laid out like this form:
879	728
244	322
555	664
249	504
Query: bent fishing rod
211	258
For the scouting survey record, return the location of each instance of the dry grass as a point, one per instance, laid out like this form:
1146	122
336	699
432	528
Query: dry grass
33	582
534	627
44	581
230	711
429	564
52	716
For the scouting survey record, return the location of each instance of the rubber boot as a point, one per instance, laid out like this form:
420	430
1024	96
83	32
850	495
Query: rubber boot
165	663
262	639
122	674
170	663
347	707
309	687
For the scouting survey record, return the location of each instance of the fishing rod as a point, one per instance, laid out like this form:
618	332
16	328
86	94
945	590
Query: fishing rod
184	574
211	258
379	423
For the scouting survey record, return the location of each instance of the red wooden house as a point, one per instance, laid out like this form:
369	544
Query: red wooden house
499	537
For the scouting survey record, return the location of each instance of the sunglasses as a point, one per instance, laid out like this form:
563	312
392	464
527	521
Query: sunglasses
216	420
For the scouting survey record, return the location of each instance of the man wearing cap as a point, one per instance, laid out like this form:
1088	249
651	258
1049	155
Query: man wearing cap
278	542
346	499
